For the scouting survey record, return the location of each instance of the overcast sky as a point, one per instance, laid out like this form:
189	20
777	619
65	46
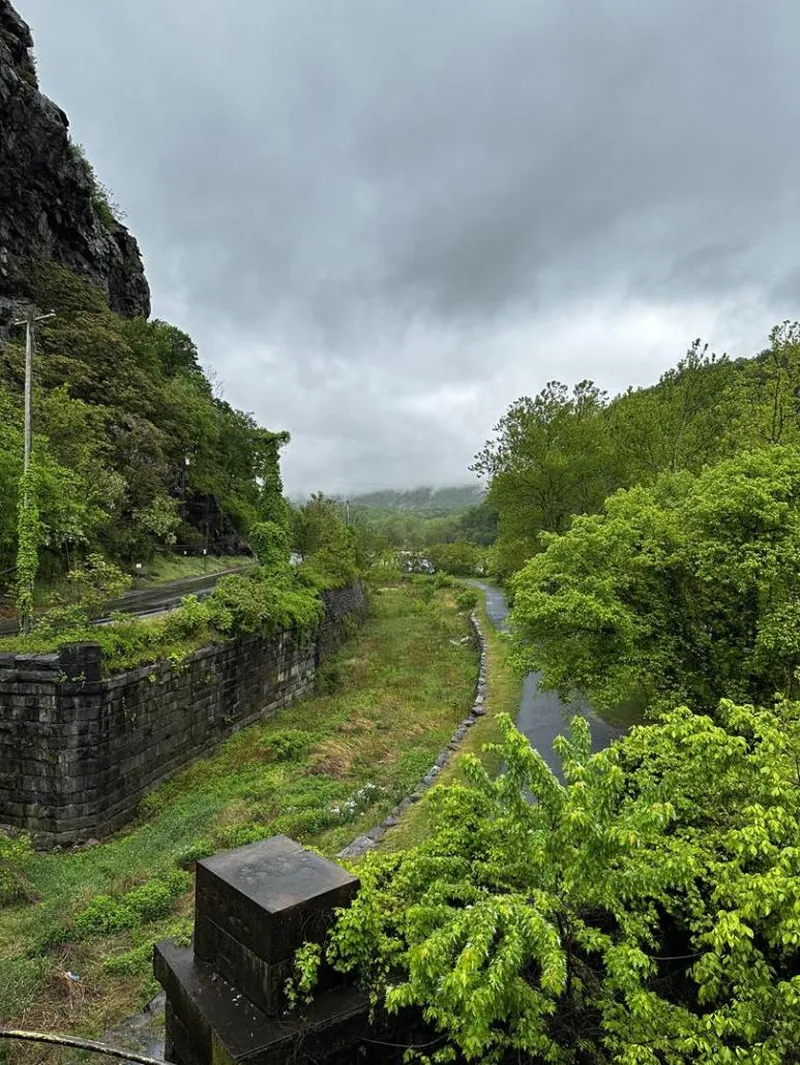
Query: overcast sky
384	220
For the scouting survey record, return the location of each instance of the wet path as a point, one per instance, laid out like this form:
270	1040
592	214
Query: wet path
153	600
542	715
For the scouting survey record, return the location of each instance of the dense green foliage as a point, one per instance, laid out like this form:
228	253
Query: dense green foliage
333	544
686	589
646	912
268	598
459	559
564	451
241	604
133	452
323	542
321	771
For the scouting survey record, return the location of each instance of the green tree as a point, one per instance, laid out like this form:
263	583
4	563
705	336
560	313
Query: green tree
459	559
687	589
766	392
682	423
547	461
325	543
150	453
645	912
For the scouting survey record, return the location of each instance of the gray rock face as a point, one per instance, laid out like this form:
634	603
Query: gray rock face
48	203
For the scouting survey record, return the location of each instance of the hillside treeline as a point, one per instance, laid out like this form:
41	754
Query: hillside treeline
564	451
645	908
133	451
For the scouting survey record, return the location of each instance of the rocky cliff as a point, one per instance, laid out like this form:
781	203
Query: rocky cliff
51	207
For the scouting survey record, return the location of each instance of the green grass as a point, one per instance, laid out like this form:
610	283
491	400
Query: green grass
503	693
396	691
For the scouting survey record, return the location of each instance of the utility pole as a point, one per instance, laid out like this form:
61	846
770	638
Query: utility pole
29	321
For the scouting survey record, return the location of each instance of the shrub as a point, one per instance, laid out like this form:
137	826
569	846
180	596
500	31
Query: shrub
104	916
233	836
467	600
289	745
302	823
426	590
644	910
94	582
201	848
15	851
461	559
64	619
328	679
443	580
149	901
132	963
189	619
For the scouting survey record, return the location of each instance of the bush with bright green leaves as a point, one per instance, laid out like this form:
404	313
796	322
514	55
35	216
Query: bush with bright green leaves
645	911
200	848
467	600
106	915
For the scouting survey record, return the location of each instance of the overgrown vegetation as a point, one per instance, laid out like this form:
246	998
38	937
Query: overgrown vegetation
109	212
268	598
321	771
566	450
648	910
684	590
503	691
133	451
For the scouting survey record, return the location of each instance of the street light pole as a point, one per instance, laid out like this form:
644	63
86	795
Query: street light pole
29	321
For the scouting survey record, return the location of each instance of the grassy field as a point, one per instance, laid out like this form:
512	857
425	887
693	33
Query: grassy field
503	692
321	771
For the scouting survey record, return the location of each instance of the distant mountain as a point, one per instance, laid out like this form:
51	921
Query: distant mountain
424	501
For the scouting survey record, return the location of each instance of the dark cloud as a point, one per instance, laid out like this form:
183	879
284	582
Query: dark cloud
383	220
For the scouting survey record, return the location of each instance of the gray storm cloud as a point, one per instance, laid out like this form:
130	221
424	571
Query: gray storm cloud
382	221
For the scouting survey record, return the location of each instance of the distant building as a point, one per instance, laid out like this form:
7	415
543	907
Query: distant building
412	563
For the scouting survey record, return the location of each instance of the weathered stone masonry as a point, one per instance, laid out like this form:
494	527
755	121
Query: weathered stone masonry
77	752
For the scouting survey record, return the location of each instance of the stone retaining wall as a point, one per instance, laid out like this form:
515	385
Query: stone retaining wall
78	753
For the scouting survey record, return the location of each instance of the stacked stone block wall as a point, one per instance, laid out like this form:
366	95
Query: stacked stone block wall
78	753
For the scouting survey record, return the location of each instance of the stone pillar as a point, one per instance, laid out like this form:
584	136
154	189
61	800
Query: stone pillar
30	742
254	907
50	708
81	757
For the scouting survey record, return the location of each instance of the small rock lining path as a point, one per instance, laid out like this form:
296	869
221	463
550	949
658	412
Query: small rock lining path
542	716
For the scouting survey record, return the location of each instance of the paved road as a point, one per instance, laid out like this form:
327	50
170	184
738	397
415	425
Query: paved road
542	715
153	600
